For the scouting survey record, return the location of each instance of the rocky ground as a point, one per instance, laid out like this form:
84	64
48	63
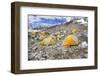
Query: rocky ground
57	51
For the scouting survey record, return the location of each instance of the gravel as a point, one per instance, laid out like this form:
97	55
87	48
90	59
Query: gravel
57	51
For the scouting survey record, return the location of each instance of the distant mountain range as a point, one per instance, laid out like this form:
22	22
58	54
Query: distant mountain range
47	21
37	21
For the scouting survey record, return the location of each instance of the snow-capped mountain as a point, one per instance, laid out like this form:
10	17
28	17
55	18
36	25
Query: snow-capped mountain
46	21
